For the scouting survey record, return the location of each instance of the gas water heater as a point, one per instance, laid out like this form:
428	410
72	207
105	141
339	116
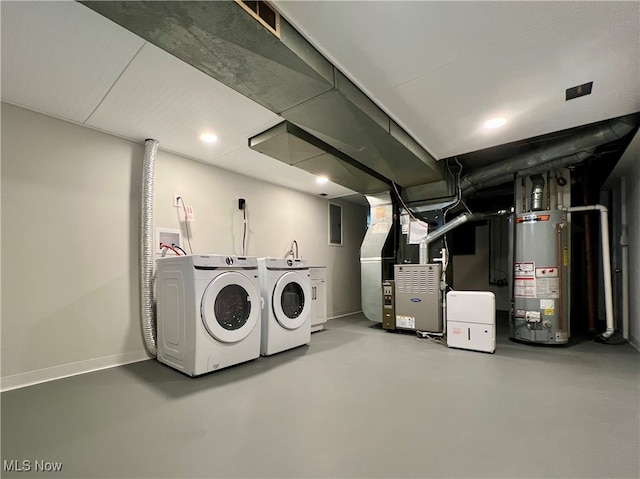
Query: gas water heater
541	266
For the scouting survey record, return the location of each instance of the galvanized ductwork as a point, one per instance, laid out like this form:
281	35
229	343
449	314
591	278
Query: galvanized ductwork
372	254
146	247
288	76
294	146
559	154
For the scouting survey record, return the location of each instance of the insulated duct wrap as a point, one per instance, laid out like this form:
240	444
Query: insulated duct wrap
559	154
146	247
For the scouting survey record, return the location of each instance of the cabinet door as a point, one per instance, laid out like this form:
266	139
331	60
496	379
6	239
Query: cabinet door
318	296
321	300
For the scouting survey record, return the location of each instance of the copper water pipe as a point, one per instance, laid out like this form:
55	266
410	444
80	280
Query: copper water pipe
588	246
559	227
548	189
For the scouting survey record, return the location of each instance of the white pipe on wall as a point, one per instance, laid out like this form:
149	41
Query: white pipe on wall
606	262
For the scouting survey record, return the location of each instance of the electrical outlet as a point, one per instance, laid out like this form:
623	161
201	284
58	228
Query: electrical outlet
176	200
190	214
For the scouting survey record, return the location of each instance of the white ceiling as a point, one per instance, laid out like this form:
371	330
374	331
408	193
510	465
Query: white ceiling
440	69
65	60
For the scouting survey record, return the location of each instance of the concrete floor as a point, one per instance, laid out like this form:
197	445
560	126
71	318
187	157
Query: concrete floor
357	402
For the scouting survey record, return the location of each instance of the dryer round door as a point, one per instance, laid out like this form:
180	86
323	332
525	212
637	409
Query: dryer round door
230	307
291	299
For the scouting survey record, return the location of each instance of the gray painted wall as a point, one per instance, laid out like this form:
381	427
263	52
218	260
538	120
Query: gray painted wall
470	272
70	216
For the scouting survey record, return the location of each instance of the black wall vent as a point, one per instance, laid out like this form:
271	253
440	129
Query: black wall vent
264	13
578	91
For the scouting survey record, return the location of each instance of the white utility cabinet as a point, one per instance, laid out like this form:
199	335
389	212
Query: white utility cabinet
471	320
318	276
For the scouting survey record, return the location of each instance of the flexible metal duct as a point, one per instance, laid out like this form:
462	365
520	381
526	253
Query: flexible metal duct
566	152
564	162
146	247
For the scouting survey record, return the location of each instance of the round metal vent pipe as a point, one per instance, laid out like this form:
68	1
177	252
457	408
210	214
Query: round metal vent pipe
566	152
537	193
434	235
540	168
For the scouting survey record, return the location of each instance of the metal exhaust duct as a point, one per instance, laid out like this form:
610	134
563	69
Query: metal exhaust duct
146	247
540	168
286	75
561	153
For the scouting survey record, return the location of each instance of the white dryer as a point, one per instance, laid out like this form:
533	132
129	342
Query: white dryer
286	317
208	312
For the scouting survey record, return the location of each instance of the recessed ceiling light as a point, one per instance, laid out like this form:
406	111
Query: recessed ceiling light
208	137
321	179
495	123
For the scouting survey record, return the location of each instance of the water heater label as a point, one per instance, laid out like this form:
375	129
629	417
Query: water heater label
532	316
524	270
548	272
524	288
532	218
548	288
547	304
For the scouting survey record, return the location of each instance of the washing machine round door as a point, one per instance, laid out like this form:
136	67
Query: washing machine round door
230	307
291	299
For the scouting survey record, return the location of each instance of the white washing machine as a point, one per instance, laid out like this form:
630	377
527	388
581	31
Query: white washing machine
286	317
208	312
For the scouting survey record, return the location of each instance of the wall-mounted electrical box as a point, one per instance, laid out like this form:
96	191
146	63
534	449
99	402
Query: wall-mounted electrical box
167	236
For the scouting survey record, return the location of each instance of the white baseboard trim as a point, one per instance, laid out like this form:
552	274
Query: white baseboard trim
38	376
342	315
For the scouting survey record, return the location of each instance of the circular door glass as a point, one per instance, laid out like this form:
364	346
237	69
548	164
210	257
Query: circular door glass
292	300
232	307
